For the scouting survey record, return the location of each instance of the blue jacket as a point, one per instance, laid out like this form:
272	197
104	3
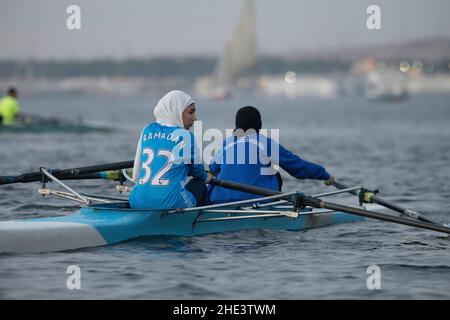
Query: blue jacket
168	156
255	166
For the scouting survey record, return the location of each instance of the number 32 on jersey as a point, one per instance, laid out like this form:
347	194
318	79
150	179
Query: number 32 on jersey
157	179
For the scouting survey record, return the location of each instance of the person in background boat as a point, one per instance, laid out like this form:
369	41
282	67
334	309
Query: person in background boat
248	123
9	108
158	172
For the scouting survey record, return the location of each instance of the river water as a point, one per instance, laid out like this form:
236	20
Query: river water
402	149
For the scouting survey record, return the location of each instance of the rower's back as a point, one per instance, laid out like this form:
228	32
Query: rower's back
251	158
168	155
245	158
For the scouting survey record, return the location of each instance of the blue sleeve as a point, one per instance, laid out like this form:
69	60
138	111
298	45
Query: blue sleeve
197	171
214	168
299	168
196	168
216	164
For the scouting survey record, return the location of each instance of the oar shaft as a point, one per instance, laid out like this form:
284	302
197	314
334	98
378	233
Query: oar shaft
371	197
408	212
244	188
97	168
317	203
105	175
66	173
33	177
87	176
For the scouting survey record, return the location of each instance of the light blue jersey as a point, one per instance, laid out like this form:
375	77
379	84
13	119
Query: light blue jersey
168	156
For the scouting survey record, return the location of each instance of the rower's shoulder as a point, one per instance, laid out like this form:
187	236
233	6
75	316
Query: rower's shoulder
3	100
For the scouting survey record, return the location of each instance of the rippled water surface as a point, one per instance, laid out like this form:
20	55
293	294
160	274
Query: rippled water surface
403	149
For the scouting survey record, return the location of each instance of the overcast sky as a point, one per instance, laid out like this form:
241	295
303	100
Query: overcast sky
146	28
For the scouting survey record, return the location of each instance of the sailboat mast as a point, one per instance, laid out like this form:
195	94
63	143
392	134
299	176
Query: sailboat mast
239	56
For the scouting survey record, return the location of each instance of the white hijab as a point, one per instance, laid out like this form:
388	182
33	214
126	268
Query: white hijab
169	110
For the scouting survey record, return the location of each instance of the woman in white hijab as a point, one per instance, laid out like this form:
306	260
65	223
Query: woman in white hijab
166	155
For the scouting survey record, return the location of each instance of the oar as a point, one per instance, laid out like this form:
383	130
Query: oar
318	203
370	197
104	175
66	173
244	187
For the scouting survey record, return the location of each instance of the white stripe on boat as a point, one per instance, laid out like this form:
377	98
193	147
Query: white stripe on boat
28	237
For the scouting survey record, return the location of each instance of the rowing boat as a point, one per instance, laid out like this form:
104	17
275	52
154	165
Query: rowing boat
108	220
104	224
105	220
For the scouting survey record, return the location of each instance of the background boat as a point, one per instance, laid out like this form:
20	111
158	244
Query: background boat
238	59
36	123
389	86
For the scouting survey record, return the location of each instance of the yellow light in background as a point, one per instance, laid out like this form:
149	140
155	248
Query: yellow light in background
290	77
404	66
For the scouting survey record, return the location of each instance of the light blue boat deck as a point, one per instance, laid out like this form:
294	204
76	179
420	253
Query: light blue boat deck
117	222
103	224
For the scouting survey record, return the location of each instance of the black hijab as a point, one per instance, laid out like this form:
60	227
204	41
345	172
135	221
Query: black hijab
248	118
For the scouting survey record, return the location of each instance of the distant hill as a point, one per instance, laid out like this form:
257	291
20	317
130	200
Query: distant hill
432	50
435	52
